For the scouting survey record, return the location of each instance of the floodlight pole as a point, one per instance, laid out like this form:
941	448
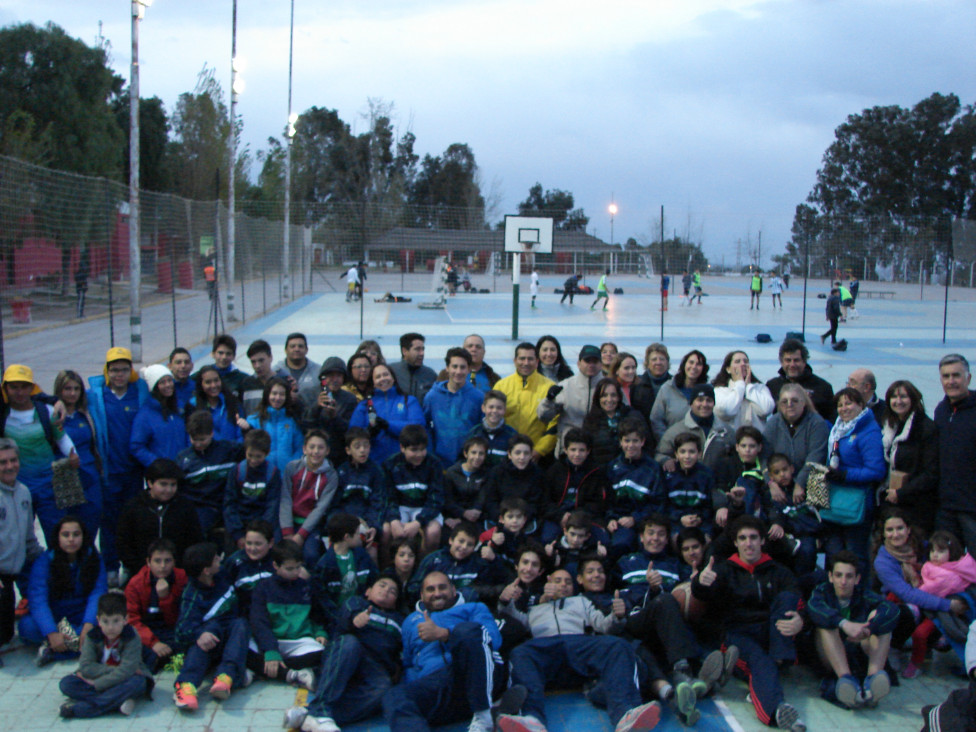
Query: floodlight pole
662	272
806	275
231	183
135	262
516	272
285	250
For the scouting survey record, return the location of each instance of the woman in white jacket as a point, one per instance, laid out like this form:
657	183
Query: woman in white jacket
741	398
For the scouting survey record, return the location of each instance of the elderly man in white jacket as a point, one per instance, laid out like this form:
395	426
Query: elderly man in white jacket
560	650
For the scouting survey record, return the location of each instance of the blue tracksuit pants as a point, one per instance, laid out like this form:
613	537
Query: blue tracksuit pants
230	652
569	659
451	693
761	645
92	703
351	683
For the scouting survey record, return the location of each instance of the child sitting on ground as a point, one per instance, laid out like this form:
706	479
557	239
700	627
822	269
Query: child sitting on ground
463	482
362	488
344	570
308	487
577	540
111	674
506	538
416	483
458	560
253	489
950	570
152	599
246	567
800	519
289	643
209	630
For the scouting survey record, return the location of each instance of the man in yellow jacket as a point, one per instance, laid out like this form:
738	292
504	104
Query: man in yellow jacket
524	390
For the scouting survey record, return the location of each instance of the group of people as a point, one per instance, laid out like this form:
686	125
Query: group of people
438	546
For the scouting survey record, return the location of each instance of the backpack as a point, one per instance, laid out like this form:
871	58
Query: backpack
242	473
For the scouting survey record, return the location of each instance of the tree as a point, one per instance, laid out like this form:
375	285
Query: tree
56	97
153	141
889	185
557	205
446	191
198	152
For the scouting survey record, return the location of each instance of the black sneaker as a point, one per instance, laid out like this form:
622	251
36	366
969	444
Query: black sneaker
510	702
67	710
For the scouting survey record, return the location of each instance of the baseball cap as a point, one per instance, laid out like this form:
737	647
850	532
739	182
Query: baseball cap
589	351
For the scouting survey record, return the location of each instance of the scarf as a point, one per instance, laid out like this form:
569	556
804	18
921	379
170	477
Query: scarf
890	439
908	559
842	429
706	423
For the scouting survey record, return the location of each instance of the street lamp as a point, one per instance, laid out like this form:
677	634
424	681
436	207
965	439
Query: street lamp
135	255
292	118
613	212
236	88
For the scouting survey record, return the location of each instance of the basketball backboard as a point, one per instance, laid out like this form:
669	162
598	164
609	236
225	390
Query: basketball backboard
528	234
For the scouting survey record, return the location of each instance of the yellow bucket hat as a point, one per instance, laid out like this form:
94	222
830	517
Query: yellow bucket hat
17	372
119	354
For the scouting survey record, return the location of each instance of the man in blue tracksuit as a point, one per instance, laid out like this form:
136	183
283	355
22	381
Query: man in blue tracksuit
114	398
449	659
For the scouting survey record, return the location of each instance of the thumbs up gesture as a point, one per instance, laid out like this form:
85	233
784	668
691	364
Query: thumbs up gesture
708	575
654	578
619	607
362	619
429	631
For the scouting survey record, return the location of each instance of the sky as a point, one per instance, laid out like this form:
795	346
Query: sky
718	110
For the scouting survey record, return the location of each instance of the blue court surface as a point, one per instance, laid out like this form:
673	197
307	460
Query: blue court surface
896	338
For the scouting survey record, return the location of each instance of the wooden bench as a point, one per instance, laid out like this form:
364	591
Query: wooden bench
883	294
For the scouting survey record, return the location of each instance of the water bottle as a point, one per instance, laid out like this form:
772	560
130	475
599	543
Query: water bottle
371	412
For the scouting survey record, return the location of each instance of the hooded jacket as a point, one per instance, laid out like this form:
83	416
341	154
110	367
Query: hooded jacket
305	496
286	436
746	591
523	396
155	436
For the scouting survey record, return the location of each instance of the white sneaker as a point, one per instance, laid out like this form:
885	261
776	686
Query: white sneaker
127	707
294	716
477	725
303	677
320	724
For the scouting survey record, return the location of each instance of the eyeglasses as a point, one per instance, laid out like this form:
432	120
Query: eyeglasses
120	370
790	401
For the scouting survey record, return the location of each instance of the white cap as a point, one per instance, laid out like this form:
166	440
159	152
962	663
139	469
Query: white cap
152	374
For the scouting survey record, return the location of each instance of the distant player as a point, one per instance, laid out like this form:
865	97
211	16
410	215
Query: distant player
665	286
601	292
534	285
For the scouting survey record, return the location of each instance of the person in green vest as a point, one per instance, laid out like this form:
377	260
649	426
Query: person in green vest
601	292
755	290
846	300
696	281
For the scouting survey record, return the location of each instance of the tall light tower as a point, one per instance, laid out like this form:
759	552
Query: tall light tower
135	255
236	88
613	212
285	254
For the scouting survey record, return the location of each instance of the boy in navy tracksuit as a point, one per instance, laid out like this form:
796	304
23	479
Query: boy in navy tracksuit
344	570
577	540
253	489
632	569
289	641
504	540
416	484
206	464
209	630
359	666
362	487
493	429
637	488
458	560
246	567
689	488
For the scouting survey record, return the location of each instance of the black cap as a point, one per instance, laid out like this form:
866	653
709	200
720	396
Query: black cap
702	390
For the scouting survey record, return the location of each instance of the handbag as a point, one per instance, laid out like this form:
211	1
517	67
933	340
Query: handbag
66	485
847	504
818	494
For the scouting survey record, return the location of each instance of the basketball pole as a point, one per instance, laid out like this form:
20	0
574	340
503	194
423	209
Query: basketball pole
516	271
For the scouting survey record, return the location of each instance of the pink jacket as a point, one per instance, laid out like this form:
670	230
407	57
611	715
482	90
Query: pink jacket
950	578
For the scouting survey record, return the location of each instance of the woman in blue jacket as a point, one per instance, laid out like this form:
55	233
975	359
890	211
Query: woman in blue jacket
211	394
80	427
278	416
391	412
65	584
856	459
158	430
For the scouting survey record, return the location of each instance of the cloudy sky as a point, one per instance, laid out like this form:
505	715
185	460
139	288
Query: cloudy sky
719	110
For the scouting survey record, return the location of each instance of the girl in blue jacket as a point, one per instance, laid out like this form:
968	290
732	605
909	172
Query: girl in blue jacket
278	416
391	412
63	590
211	394
158	430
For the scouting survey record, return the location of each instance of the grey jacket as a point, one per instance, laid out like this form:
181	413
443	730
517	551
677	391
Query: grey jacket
308	381
670	405
720	440
567	616
570	405
18	544
414	382
808	445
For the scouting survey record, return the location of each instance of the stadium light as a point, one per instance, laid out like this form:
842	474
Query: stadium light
613	212
135	253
